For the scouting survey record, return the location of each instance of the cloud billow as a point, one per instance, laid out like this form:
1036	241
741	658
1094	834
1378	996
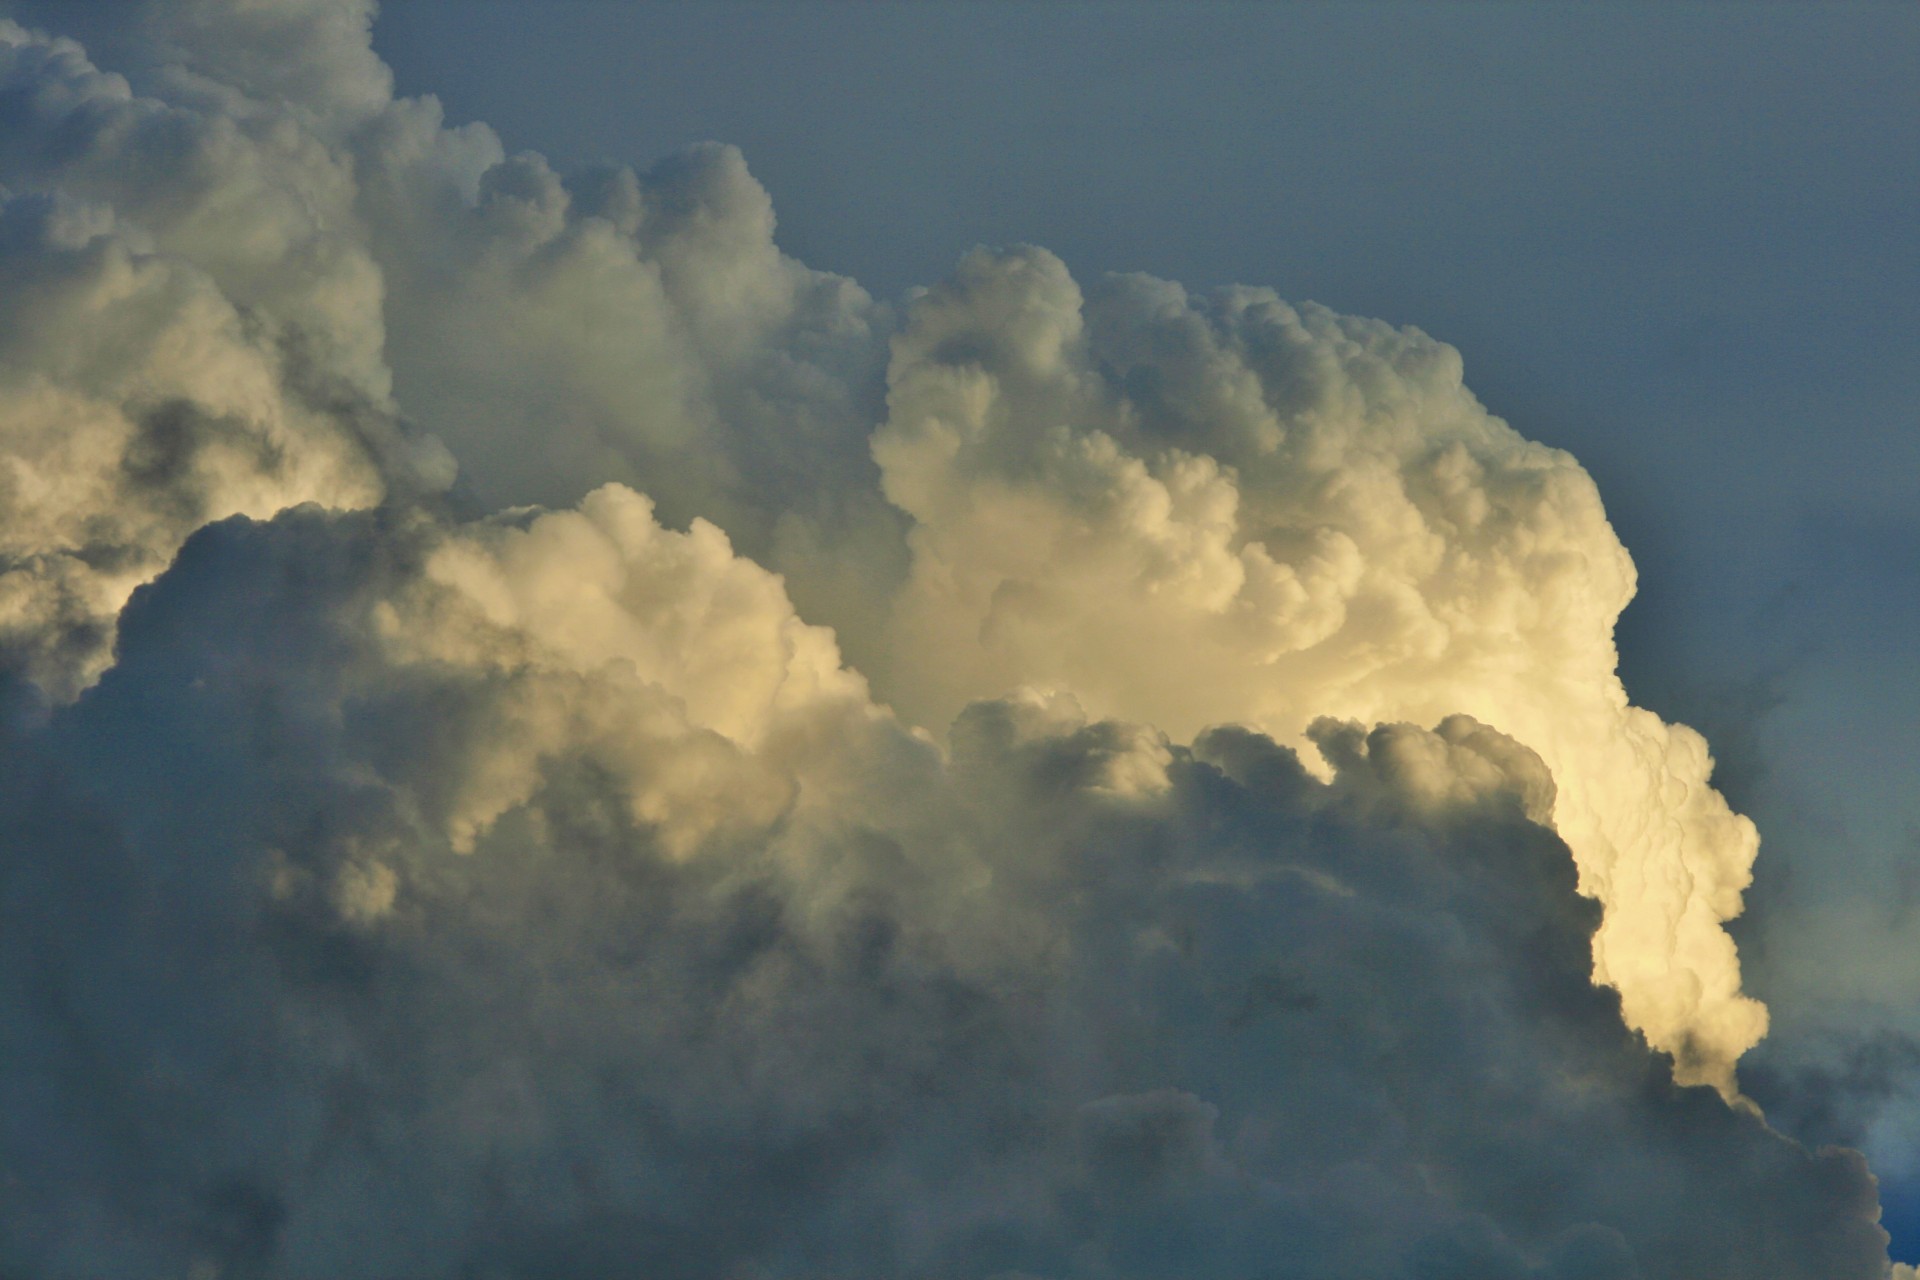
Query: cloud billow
1024	783
370	931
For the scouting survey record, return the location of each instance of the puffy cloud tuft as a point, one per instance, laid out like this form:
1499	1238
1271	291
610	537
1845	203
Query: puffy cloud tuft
188	330
1318	518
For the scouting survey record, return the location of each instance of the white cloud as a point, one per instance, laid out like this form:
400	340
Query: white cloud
189	329
1230	510
417	890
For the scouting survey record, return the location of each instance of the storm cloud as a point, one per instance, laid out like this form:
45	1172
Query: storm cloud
548	738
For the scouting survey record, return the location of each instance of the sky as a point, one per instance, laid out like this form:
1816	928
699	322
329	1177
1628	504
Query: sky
649	639
1676	240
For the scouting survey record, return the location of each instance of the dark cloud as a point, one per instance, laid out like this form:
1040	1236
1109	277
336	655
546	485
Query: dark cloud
1836	1099
1081	1003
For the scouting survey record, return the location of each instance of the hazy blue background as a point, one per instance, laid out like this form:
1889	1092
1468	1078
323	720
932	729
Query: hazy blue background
1678	240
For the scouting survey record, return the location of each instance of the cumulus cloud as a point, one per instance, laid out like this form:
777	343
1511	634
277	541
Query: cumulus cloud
543	895
1318	518
1027	782
187	332
647	330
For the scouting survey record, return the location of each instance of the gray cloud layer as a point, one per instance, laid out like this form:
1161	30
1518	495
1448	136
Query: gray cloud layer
393	889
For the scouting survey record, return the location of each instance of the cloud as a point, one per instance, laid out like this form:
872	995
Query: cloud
1852	1085
1023	782
543	894
186	333
1318	518
649	331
